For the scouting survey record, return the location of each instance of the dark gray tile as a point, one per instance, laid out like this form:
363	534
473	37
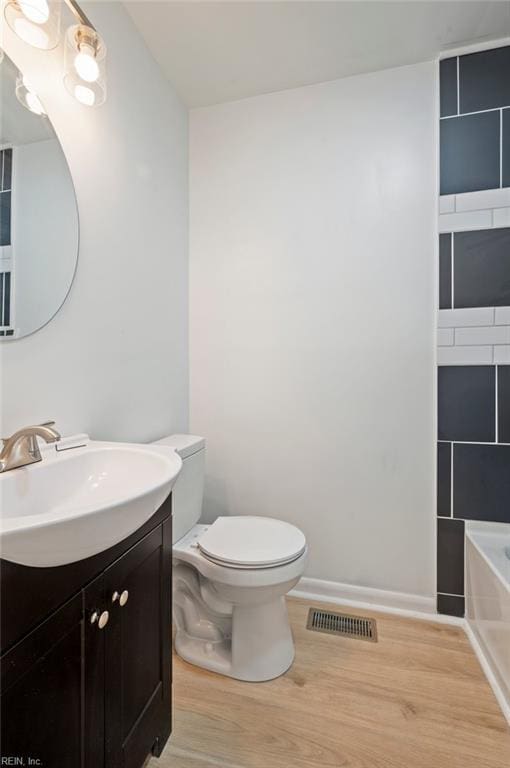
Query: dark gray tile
444	453
448	86
504	403
466	403
7	299
481	482
506	147
7	168
5	218
445	271
450	556
451	605
482	268
470	150
484	80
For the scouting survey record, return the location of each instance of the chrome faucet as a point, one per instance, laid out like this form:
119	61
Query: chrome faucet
22	448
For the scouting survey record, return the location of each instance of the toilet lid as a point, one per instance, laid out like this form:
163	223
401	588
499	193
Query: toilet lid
252	542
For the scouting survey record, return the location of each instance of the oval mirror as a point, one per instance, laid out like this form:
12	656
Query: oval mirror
38	214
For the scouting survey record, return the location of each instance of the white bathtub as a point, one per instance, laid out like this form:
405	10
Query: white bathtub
488	601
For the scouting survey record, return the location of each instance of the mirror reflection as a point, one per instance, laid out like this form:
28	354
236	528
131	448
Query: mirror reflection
38	213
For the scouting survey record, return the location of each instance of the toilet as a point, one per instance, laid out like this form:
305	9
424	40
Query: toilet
230	579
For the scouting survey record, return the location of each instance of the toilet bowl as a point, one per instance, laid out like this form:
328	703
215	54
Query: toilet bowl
230	579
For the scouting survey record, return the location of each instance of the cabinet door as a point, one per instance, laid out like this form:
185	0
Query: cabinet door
94	633
52	702
138	651
41	703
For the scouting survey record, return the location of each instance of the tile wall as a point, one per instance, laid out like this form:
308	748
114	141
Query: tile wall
5	196
473	449
475	121
5	241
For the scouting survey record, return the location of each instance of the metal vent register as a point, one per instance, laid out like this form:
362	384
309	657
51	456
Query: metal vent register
342	624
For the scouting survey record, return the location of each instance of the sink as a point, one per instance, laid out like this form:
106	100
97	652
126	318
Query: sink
81	501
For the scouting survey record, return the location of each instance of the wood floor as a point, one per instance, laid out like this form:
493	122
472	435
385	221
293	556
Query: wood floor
415	699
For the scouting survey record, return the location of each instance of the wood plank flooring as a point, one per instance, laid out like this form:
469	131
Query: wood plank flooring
415	699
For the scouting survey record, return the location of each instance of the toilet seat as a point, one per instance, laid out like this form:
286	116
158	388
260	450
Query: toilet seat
246	542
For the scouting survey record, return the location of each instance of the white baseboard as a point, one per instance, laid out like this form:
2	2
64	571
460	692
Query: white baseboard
401	604
382	600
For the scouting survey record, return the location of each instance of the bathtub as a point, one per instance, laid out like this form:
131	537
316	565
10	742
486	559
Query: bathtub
488	602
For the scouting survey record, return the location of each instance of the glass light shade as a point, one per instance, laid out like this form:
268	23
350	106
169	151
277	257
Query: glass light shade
28	97
84	65
36	22
1	40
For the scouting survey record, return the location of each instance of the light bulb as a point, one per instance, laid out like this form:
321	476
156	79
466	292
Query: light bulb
30	34
85	95
34	104
35	10
86	65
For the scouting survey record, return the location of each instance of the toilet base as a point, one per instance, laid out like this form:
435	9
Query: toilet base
232	621
260	646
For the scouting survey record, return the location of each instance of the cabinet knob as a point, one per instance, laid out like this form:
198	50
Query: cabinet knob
101	619
122	597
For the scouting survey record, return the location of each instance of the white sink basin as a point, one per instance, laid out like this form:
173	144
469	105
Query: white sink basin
78	502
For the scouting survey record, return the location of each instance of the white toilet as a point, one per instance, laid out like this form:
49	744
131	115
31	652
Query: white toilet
229	580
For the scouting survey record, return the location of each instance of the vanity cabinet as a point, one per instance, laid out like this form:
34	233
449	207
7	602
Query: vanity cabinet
90	685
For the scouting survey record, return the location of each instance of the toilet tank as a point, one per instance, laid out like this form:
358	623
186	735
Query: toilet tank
188	491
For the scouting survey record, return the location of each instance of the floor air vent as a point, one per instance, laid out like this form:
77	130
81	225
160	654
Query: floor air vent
342	624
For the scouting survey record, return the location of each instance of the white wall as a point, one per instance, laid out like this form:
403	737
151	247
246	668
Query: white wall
45	232
313	221
114	360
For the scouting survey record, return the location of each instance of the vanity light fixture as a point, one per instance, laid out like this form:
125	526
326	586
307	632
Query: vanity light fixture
1	42
37	22
28	97
84	61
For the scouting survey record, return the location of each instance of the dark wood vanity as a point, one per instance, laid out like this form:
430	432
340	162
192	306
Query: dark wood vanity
86	655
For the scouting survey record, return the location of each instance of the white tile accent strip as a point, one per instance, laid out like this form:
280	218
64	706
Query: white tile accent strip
478	335
502	316
447	204
464	356
472	316
501	217
445	337
486	209
459	222
502	355
477	201
474	336
494	334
